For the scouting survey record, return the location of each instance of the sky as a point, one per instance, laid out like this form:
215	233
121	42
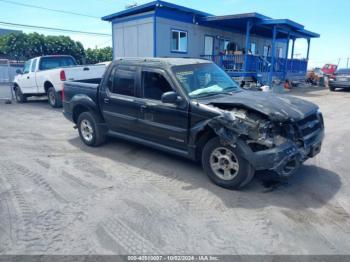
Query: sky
331	19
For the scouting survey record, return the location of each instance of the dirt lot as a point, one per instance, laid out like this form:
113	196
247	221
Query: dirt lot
58	196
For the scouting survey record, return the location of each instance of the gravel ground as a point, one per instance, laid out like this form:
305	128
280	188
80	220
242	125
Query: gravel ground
58	196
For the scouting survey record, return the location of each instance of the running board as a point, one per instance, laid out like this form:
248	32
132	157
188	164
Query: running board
148	143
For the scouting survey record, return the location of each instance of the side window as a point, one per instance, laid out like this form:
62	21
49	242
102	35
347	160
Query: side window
122	82
154	85
26	67
33	65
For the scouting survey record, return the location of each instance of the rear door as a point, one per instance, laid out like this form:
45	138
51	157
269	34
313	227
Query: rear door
118	99
166	124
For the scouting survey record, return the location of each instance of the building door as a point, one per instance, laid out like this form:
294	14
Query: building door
208	45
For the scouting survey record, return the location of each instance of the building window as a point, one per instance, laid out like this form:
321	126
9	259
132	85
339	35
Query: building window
280	52
253	48
223	44
179	41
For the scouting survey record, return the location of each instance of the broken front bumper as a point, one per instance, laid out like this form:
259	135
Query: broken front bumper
286	158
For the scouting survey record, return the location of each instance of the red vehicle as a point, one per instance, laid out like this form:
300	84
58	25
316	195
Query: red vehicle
329	69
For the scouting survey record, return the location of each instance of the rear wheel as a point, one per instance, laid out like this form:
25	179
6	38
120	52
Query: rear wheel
20	97
224	166
331	88
55	99
90	131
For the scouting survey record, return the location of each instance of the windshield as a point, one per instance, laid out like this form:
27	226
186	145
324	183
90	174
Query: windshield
203	80
52	62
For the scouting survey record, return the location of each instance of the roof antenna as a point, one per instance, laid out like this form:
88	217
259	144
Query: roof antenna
131	5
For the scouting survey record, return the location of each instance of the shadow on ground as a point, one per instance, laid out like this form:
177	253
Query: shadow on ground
310	187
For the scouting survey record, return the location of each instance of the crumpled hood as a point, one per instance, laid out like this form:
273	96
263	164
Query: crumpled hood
276	107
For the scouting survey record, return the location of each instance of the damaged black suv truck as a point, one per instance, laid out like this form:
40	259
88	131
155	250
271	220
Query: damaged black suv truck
191	108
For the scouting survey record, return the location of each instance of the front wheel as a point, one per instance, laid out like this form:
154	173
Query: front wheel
20	97
224	166
90	131
55	99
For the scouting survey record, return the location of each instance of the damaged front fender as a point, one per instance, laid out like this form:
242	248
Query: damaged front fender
231	125
259	141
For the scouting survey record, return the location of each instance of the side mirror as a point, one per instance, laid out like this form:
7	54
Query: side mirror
19	71
171	98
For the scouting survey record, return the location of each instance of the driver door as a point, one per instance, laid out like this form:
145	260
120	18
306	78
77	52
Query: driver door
166	124
27	81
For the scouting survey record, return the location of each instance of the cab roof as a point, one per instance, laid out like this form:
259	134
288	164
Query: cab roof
168	62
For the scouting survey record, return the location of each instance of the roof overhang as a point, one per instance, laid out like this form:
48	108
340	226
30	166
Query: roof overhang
261	25
152	6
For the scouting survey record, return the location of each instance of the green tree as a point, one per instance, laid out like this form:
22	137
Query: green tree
25	46
98	55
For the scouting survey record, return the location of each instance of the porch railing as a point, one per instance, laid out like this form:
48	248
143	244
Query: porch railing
259	65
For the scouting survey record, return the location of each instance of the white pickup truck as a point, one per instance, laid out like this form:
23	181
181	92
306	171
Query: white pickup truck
45	76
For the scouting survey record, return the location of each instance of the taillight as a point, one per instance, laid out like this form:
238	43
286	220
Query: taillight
63	75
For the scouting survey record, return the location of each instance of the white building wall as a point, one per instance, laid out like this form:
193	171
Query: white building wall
133	38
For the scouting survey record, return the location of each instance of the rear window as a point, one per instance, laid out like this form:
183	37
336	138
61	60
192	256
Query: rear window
47	63
122	81
345	71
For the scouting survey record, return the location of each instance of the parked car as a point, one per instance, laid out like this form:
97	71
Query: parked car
340	79
192	108
44	76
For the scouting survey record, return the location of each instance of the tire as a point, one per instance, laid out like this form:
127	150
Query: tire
217	157
55	98
89	130
331	88
20	97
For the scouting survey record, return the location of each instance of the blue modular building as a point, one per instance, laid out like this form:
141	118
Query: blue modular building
248	45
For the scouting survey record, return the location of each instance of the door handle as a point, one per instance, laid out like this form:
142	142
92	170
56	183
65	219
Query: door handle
106	100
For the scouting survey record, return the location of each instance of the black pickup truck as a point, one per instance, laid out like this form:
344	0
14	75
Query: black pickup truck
191	108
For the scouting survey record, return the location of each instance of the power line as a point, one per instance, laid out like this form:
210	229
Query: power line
54	29
48	9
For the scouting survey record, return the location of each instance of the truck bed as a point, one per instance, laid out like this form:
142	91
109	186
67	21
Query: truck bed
86	87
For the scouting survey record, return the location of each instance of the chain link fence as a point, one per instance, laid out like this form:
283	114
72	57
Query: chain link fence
7	74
